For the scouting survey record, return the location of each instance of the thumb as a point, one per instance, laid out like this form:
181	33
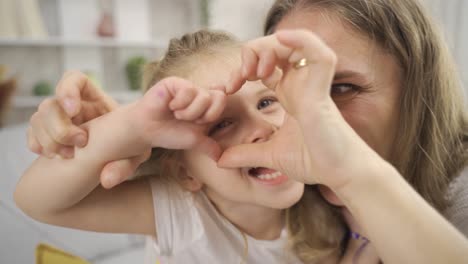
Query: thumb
70	89
248	155
116	172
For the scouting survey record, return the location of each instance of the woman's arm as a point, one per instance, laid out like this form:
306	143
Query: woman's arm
401	225
325	149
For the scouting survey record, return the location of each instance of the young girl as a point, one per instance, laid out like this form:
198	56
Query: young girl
228	215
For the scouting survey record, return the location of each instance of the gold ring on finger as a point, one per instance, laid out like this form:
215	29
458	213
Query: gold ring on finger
301	63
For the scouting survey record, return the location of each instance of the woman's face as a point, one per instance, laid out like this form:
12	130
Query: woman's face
366	87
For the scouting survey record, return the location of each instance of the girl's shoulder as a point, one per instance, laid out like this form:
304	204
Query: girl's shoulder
457	195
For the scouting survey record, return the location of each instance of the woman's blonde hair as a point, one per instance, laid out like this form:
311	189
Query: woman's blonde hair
183	56
431	143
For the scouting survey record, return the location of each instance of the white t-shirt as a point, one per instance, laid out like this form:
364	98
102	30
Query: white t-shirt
190	230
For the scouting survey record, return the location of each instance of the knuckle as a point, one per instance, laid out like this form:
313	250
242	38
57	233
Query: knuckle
50	147
46	105
205	97
33	146
329	58
61	133
33	118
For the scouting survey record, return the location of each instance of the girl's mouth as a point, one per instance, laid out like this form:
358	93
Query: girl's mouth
267	176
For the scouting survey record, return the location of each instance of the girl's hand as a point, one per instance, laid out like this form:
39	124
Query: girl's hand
171	115
173	112
315	144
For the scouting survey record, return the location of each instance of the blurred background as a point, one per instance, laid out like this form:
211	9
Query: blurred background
109	40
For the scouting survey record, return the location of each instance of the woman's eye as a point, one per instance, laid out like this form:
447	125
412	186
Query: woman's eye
219	126
343	91
265	103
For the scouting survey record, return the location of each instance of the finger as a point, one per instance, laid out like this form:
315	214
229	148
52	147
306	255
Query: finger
60	127
309	43
218	87
183	98
118	171
249	63
163	92
273	79
267	63
33	144
236	81
216	108
260	59
270	50
66	152
197	107
247	155
49	147
68	91
321	59
42	138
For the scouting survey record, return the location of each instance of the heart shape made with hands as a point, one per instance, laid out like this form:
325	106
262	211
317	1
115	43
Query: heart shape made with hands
315	145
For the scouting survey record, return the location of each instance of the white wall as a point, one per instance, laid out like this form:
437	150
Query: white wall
244	18
453	16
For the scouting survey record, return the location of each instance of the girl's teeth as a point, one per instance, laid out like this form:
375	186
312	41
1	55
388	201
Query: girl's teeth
269	176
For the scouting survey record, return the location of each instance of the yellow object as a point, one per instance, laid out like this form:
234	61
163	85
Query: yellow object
46	254
3	70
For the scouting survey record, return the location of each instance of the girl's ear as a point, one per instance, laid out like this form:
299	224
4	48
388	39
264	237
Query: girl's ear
329	195
187	181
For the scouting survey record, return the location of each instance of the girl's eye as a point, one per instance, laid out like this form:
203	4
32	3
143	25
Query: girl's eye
265	103
219	126
343	91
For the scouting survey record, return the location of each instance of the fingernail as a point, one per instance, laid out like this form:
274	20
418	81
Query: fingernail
69	106
80	141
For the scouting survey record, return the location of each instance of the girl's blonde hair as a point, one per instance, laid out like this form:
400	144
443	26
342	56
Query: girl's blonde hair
431	143
323	223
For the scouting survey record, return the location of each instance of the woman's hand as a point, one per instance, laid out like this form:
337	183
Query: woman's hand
55	127
315	144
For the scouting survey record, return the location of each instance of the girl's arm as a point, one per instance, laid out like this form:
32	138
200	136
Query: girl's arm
67	192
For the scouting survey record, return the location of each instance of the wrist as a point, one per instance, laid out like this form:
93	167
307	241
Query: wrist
116	135
368	181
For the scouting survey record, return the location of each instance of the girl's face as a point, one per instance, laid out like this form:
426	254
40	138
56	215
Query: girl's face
366	86
251	115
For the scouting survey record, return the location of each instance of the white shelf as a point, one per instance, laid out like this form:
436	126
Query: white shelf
30	101
97	42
